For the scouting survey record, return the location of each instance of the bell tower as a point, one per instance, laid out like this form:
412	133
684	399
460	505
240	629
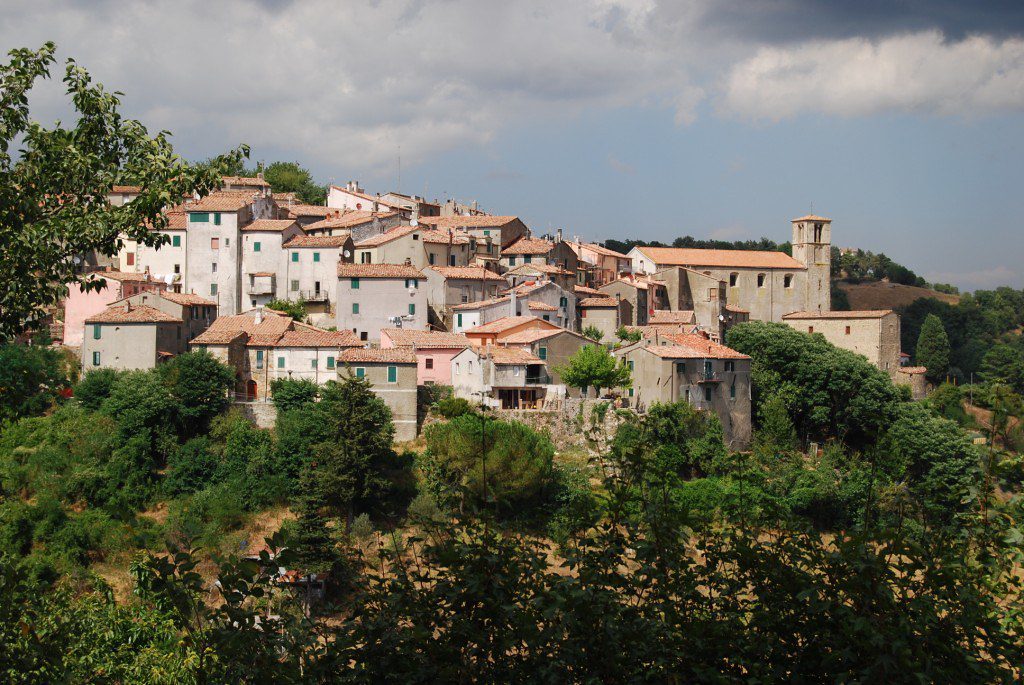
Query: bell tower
812	247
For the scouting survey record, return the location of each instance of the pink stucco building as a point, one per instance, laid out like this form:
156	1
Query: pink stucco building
434	351
81	305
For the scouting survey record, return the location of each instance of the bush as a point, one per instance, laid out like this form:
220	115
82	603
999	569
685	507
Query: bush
95	387
190	468
453	407
289	394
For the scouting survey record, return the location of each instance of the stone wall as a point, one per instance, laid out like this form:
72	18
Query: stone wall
263	414
570	427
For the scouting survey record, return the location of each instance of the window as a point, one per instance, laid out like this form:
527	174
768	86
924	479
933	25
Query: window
363	336
365	257
213	288
458	368
280	362
511	261
295	256
430	258
486	233
411	283
458	320
451	260
412	309
176	241
428	363
515	370
254	302
810	329
96	331
563	301
847	330
415	236
259	359
295	286
213	267
177	268
355	307
469	366
216	219
760	280
543	353
787	281
256	247
214	243
392	374
312	364
360	372
527	259
732	391
707	393
95	358
130	258
730	366
316	256
199	217
733	279
354	283
227	242
330	362
547	318
631	392
630	364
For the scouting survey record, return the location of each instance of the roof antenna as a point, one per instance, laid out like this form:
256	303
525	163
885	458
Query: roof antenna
399	189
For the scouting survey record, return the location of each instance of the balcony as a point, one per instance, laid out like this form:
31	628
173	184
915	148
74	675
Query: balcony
707	376
261	285
313	295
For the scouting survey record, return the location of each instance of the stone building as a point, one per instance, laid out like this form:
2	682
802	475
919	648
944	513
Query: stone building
687	367
529	250
642	295
392	376
311	272
605	314
874	334
500	377
359	224
599	264
130	337
375	296
196	313
448	286
492	333
417	245
554	348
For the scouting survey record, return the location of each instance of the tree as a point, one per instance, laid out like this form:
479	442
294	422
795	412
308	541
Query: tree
53	192
1004	364
594	365
293	393
199	383
627	336
95	386
31	378
291	177
933	348
296	310
593	333
775	429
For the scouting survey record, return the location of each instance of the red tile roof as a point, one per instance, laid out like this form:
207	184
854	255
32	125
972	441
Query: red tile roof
348	219
309	336
127	190
268	225
481	303
475	221
734	308
317	241
226	328
693	346
859	314
390	355
542	306
528	246
475	273
507	322
404	337
253	181
584	290
132	314
539	268
532	336
123	276
597	302
687	256
297	210
186	299
659	316
378	271
913	370
511	355
222	201
594	247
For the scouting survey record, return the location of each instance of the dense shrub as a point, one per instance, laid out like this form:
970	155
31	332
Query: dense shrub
95	387
452	407
293	393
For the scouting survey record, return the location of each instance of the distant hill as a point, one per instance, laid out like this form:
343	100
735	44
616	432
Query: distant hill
884	295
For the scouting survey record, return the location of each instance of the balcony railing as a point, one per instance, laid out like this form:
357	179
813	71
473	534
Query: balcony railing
313	295
706	376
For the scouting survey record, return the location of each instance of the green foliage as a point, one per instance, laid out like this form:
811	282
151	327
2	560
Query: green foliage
775	427
594	365
296	310
31	376
53	190
593	332
840	300
933	348
452	407
199	384
831	393
1004	364
297	393
505	462
628	336
95	386
191	467
947	401
291	177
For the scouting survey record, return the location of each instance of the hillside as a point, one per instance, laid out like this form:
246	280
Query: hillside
885	295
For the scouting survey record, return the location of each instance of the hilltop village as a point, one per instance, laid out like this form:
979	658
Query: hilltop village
409	293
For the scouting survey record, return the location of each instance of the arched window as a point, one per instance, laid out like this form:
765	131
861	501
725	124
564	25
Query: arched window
760	280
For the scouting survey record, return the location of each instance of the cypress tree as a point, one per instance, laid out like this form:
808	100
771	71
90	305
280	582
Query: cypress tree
933	348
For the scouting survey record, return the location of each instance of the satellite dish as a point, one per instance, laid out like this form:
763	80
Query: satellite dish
347	253
721	317
77	260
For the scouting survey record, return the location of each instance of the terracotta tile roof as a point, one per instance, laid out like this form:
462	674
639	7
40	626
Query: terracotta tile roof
811	217
297	210
309	336
594	247
753	259
390	355
268	225
584	290
532	336
124	276
222	201
317	241
734	308
640	283
505	323
542	306
404	337
859	314
285	197
378	271
694	346
589	302
348	219
511	355
186	299
226	328
475	273
481	303
528	246
475	221
913	370
665	316
539	268
388	236
127	190
657	330
132	314
435	237
253	181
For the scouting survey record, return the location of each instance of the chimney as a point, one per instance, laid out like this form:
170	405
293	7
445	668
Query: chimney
415	220
513	302
376	204
259	315
128	306
558	236
408	261
474	205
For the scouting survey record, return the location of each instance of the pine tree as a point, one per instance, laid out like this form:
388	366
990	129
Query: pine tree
933	348
313	545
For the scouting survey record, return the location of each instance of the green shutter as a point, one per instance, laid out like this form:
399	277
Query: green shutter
511	261
316	256
213	288
295	256
313	365
459	320
330	362
255	247
543	353
355	284
96	328
355	307
200	217
360	372
95	358
280	362
527	259
412	308
176	241
392	374
216	219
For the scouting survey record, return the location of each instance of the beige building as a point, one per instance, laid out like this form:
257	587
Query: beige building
686	367
875	334
605	314
392	375
417	245
554	348
598	264
375	296
500	377
196	313
312	272
642	295
128	336
448	286
529	250
767	284
359	224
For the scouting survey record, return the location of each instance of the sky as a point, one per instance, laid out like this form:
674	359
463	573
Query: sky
902	121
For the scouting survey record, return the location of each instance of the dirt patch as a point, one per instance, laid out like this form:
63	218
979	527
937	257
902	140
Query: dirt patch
884	295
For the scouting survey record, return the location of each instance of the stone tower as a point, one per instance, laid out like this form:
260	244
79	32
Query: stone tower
812	247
